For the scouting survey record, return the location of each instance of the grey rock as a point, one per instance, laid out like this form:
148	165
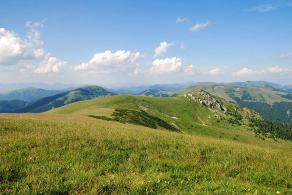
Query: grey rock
207	100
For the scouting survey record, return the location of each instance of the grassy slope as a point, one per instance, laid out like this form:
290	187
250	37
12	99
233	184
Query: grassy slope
192	118
65	151
53	153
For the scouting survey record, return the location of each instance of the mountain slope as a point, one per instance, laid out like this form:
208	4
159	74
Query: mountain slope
178	113
74	154
157	93
8	106
28	94
61	99
272	103
196	144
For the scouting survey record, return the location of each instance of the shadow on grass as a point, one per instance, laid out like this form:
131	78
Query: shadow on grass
138	118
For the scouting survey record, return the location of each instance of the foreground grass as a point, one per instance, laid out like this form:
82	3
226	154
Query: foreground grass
60	155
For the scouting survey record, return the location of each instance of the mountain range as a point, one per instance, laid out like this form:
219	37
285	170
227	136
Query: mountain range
201	137
272	101
53	99
28	94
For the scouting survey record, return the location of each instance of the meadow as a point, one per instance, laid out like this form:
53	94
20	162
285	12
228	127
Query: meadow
73	154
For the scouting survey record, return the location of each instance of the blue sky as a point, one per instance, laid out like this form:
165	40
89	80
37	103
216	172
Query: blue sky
114	42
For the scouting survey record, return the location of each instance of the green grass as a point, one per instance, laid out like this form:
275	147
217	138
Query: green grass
175	110
60	154
102	146
188	117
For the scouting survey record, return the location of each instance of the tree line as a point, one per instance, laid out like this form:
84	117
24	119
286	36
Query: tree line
266	128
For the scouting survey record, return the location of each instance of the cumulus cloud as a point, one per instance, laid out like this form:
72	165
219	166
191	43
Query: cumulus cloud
200	26
175	65
269	70
13	48
166	65
162	48
34	34
181	19
245	72
277	69
215	72
109	61
50	65
27	53
189	69
38	53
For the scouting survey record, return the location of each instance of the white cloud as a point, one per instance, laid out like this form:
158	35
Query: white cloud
200	26
215	72
137	71
277	69
38	53
189	69
50	65
34	35
245	72
13	48
162	48
268	7
181	19
167	65
26	54
109	61
269	70
264	8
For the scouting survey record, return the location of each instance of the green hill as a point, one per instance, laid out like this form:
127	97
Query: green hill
74	154
61	99
175	113
272	103
125	144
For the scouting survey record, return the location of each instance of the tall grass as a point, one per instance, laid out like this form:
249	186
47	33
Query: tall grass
55	154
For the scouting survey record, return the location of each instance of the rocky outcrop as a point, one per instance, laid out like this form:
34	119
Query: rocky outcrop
207	100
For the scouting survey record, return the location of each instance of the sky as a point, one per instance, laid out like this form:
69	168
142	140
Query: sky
127	42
